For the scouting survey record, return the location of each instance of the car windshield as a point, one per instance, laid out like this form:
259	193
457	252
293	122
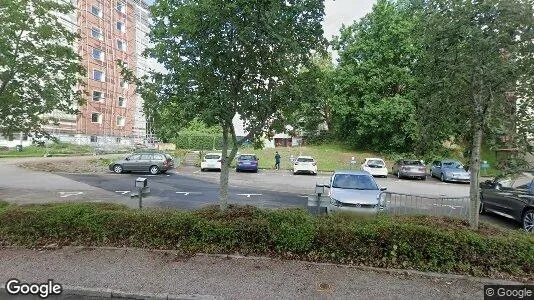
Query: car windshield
354	181
376	162
304	159
247	157
412	163
452	165
212	156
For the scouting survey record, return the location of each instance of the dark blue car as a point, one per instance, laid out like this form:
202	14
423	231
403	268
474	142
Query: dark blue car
247	162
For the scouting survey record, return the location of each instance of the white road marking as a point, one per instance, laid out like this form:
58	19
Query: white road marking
248	195
188	193
122	192
68	194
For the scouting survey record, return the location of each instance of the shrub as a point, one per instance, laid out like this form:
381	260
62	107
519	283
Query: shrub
416	242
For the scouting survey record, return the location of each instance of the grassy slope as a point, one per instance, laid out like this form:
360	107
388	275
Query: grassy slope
60	148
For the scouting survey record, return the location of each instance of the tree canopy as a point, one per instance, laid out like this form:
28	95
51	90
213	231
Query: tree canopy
231	57
39	67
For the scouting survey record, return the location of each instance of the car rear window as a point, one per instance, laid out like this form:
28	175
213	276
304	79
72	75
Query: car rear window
413	163
304	159
212	156
376	162
247	157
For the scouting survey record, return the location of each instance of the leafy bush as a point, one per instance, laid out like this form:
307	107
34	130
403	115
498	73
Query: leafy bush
421	242
198	141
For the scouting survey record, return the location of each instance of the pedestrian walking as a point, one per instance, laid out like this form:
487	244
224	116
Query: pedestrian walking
277	161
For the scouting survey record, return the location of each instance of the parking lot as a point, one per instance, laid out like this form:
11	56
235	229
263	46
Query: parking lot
188	188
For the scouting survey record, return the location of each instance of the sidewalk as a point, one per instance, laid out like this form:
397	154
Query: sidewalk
97	271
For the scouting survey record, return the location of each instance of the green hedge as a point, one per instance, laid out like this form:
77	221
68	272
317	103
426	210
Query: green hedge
422	243
199	141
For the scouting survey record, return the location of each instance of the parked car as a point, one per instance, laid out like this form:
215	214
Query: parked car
152	162
211	161
354	191
511	196
305	164
375	166
410	168
247	162
449	170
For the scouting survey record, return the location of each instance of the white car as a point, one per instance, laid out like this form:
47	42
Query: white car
211	161
305	164
375	166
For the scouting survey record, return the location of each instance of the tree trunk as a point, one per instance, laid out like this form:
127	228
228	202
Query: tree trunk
474	166
225	172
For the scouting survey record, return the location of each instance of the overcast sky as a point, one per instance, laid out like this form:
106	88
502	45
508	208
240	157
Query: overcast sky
339	12
343	12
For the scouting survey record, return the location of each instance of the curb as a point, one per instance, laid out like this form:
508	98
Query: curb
117	294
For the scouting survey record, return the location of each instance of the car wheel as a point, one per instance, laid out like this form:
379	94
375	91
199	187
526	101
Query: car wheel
202	170
256	171
154	170
236	170
442	178
423	178
117	169
294	173
528	220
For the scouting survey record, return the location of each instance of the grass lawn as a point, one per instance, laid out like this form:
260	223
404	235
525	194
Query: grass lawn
53	149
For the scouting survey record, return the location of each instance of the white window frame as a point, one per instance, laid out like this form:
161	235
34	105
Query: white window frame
102	55
103	95
99	118
123	83
119	101
123	43
123	5
119	123
100	36
102	79
123	29
99	14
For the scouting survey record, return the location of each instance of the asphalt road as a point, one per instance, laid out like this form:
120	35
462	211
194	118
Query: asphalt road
179	191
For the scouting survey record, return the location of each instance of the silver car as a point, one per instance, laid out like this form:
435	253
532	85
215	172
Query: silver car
450	171
354	191
144	162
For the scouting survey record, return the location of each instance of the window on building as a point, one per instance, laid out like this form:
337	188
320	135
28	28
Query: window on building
118	140
123	83
121	27
97	33
96	11
121	121
98	54
96	118
121	7
98	96
94	139
121	45
122	102
99	76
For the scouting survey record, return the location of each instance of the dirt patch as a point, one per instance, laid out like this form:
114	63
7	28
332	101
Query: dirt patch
89	165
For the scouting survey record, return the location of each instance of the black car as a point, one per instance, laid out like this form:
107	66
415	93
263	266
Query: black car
511	196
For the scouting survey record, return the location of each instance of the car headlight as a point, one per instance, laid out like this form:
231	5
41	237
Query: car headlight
334	202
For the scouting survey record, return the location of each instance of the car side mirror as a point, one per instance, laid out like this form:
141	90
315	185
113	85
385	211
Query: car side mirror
383	188
127	158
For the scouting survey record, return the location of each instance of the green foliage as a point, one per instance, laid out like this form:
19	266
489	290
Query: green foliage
199	141
420	242
39	66
374	82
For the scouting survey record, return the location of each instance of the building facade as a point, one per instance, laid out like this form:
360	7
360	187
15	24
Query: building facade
110	31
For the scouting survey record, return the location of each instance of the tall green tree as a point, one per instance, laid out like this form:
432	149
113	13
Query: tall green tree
374	81
39	67
231	57
476	52
313	94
